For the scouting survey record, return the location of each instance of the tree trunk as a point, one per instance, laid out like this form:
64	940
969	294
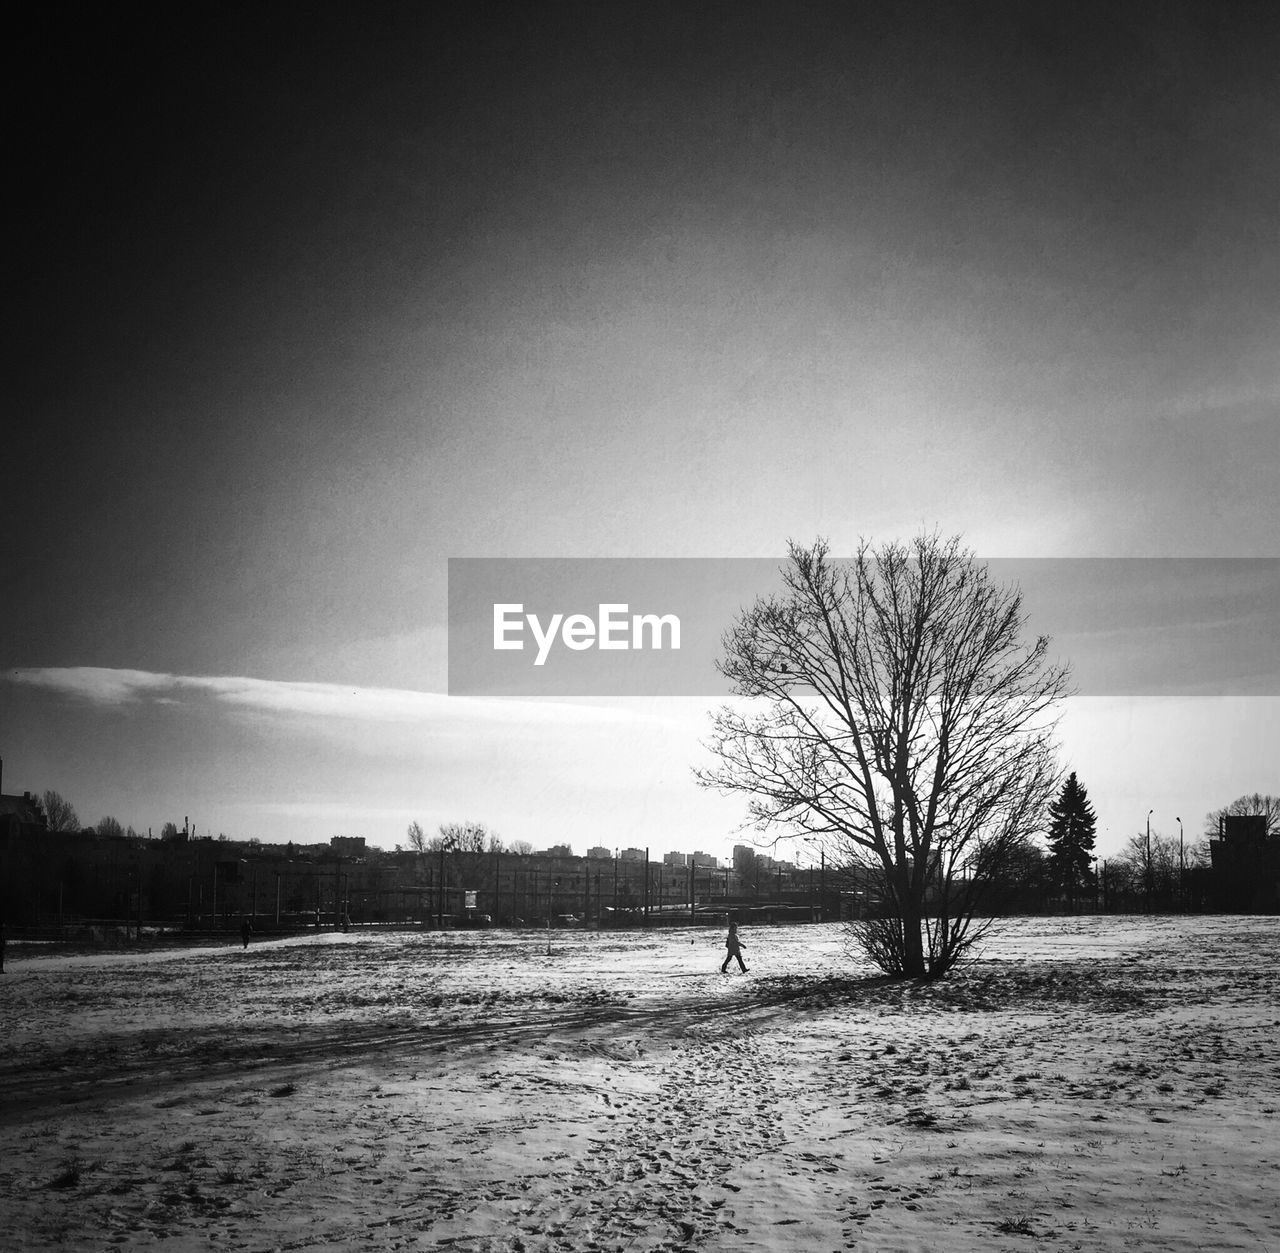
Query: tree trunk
913	964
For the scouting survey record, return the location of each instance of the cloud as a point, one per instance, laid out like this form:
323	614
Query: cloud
325	701
95	684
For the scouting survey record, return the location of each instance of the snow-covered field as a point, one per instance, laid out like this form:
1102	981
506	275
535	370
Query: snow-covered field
1090	1083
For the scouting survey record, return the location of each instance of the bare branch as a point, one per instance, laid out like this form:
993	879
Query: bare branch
896	711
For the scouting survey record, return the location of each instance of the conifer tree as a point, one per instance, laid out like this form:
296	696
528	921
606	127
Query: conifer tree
1071	837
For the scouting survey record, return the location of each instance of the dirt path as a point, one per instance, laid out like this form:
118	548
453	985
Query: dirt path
155	1062
660	1173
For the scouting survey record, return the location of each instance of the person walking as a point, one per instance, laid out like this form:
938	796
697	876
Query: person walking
735	947
245	932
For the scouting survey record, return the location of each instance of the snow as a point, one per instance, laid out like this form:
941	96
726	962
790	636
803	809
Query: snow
1089	1083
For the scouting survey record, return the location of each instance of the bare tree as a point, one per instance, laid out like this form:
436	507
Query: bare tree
109	826
417	837
521	848
466	851
895	714
746	864
1151	869
462	837
60	814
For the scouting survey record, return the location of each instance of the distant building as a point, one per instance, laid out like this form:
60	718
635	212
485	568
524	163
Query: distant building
600	853
632	854
1246	865
22	815
559	850
675	859
347	845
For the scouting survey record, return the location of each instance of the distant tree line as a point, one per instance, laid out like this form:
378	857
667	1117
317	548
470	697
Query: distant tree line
1155	873
60	815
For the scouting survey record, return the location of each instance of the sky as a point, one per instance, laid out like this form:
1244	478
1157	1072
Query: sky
310	299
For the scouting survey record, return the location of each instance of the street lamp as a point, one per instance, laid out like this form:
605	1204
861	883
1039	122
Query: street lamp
822	875
1181	870
447	845
1148	875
